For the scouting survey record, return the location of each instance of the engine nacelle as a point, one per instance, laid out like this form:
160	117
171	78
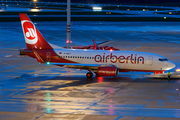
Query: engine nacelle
107	71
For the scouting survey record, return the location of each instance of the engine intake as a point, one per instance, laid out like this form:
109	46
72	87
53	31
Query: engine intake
107	71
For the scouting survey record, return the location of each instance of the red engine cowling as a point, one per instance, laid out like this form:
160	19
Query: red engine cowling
107	71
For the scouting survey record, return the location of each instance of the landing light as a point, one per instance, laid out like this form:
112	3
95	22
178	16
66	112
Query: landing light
177	70
111	50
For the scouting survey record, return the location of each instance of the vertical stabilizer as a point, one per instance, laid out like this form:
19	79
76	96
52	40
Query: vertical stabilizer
33	38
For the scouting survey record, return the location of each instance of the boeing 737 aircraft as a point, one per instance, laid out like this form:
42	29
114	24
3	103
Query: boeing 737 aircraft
101	62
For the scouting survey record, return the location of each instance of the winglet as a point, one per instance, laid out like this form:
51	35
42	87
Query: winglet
96	47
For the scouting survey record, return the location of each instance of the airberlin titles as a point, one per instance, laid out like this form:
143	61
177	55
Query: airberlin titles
133	58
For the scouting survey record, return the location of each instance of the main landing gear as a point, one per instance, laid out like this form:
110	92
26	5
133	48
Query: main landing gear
89	75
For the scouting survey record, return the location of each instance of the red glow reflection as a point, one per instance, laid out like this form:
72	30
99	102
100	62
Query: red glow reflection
100	79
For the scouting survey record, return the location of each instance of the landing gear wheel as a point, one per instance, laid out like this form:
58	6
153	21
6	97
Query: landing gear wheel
89	74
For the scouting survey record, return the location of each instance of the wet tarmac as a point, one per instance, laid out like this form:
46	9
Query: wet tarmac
29	90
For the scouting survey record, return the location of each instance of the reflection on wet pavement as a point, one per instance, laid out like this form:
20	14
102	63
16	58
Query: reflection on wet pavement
32	90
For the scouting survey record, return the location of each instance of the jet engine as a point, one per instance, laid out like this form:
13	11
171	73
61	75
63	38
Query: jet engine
107	71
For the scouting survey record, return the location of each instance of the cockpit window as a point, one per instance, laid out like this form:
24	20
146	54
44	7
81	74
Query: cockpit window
163	59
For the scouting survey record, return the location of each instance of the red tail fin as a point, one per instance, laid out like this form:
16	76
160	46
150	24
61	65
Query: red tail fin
33	38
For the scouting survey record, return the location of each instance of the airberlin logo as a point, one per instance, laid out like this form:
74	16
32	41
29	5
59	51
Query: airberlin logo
29	32
133	58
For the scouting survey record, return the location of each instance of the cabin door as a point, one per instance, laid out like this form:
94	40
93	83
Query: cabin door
48	56
150	61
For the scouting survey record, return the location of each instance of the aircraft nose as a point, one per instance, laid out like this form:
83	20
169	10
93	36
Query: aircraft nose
170	65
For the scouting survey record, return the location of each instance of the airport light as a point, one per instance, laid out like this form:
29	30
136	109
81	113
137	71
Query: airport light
35	10
67	41
97	8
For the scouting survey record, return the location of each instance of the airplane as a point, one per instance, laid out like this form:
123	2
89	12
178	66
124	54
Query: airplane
100	62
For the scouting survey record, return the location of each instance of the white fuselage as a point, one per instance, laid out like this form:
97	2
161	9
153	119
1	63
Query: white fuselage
125	60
